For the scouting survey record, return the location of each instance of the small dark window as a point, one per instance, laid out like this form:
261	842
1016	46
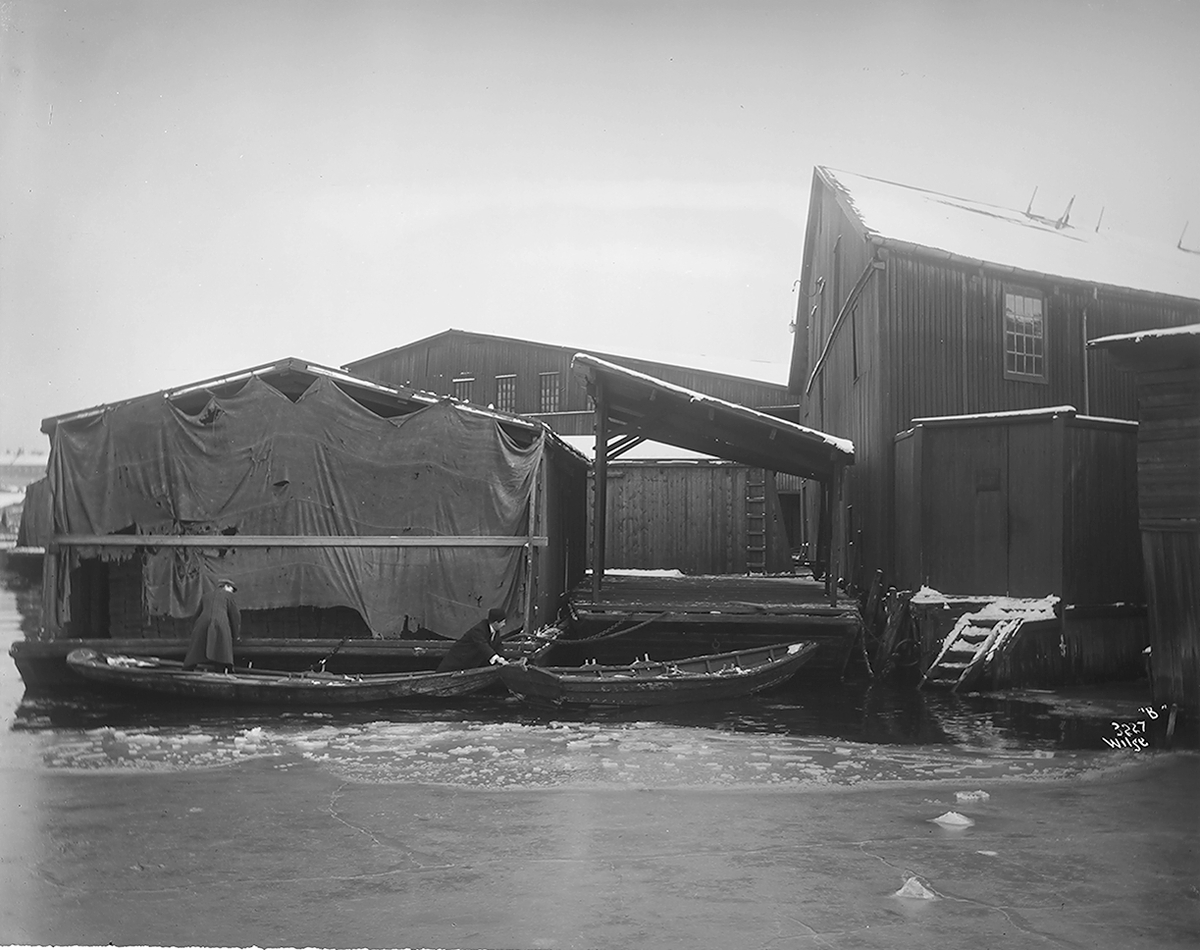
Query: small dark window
463	386
548	392
506	393
1024	336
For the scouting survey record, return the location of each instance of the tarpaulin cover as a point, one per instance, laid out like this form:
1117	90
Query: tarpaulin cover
258	464
37	517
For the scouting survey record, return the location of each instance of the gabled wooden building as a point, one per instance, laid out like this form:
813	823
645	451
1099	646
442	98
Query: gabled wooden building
535	379
918	305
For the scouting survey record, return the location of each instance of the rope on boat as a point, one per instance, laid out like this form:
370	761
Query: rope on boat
319	667
608	632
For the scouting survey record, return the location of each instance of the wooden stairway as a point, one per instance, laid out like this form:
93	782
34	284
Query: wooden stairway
968	646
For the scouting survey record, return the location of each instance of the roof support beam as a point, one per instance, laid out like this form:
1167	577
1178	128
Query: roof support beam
847	308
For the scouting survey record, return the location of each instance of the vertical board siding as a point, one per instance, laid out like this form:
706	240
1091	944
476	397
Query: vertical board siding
1035	501
908	569
1102	557
1021	507
1173	586
689	517
1169	448
967	532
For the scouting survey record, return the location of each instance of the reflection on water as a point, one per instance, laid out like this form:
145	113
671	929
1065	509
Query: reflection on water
805	732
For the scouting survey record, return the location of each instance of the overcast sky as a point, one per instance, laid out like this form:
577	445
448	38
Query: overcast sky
187	189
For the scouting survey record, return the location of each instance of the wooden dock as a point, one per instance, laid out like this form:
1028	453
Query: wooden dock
672	617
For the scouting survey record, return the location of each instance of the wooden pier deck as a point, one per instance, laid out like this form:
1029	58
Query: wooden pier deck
671	617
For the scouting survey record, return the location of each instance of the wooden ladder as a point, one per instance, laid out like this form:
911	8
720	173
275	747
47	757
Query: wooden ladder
756	522
966	648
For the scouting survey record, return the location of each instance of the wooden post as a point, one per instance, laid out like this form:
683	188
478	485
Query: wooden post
51	617
599	489
837	530
531	556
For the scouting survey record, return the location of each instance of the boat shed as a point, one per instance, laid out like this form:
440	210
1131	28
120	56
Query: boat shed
632	407
345	511
1166	367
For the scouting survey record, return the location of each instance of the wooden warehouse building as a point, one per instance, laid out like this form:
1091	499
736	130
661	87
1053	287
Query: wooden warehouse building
1166	367
918	305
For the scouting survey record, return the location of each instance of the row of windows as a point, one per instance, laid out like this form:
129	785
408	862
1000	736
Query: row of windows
549	391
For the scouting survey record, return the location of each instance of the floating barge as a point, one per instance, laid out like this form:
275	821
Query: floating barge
672	617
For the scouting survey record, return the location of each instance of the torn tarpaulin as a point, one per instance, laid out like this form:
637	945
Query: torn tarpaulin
257	463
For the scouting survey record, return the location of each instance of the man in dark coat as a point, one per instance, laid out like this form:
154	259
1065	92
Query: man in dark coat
215	629
478	646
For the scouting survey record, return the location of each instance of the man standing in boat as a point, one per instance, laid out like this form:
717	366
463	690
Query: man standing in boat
478	646
215	629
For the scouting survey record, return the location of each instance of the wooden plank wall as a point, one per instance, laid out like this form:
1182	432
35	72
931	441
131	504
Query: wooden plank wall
1169	513
1035	498
1173	586
1020	507
845	399
1168	457
965	508
942	352
686	516
1102	557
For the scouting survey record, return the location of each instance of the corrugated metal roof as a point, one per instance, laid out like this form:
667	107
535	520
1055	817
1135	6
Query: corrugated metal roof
980	232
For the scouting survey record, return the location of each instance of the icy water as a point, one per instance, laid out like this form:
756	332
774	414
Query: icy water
807	733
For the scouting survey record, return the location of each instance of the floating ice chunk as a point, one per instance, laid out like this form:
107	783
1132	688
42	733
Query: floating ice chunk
990	854
915	889
953	819
979	795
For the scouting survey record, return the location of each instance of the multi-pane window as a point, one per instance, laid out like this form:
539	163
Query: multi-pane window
506	393
1024	336
548	392
463	386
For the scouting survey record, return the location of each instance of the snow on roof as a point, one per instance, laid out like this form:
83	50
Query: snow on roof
988	233
1192	329
837	443
1005	414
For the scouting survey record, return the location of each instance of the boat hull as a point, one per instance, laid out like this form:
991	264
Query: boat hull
265	687
698	679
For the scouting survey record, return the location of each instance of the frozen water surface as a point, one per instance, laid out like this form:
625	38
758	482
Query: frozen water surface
555	753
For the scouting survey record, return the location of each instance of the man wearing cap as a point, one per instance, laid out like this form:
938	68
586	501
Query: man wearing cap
476	647
215	629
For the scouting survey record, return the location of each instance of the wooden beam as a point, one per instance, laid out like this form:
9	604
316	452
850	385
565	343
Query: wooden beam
599	487
295	541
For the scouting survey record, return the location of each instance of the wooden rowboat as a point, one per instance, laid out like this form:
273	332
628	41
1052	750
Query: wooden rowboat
272	687
647	683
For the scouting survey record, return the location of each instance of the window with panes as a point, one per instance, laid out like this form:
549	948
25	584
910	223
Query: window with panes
1024	335
548	392
506	393
463	386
